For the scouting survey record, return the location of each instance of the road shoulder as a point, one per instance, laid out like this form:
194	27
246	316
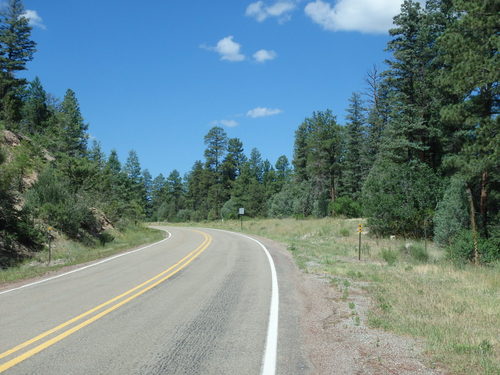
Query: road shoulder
320	334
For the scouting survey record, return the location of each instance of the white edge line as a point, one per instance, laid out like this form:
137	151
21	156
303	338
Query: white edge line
88	266
270	353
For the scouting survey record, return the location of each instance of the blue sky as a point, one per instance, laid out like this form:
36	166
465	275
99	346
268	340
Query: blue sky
156	76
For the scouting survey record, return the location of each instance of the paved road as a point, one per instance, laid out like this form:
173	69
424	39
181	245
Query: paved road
196	303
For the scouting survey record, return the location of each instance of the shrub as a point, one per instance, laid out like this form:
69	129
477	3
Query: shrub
390	256
399	198
417	252
345	206
452	215
184	215
461	249
230	209
344	232
105	237
52	199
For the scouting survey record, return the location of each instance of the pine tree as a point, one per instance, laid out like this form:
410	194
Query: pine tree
216	142
256	164
147	181
158	187
300	152
235	157
469	49
415	131
35	111
73	127
324	149
283	171
378	115
16	49
353	166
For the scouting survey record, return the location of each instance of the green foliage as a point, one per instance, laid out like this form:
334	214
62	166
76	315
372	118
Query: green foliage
416	252
105	237
216	142
452	214
400	198
461	249
353	172
74	142
345	206
390	256
52	199
294	199
230	209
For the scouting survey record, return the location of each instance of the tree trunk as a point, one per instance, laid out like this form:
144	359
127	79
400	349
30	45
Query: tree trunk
483	205
473	225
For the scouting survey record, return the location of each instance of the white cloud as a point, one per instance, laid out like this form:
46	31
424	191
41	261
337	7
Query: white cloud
228	49
33	18
280	10
263	55
263	112
228	123
367	16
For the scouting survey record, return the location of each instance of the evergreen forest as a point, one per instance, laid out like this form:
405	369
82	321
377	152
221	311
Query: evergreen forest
418	154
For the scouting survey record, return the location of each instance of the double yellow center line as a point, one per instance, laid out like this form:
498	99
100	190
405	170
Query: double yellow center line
115	303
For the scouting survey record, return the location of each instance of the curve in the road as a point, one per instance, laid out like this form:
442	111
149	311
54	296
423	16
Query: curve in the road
269	358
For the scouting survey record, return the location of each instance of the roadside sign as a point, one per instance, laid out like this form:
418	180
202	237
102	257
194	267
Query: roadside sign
241	211
360	228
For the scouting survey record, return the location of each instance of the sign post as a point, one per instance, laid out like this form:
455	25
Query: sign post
241	212
360	229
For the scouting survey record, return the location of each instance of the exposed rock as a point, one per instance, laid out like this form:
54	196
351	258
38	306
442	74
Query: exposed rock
103	223
11	139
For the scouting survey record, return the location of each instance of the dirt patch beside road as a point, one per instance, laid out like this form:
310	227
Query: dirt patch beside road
331	335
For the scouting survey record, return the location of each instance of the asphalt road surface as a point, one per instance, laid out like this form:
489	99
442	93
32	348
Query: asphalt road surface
200	302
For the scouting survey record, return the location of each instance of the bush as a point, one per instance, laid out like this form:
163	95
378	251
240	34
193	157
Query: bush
417	252
105	237
452	215
390	256
461	249
400	198
345	206
184	215
230	209
52	199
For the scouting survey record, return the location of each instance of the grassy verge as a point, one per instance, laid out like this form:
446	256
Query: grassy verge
67	253
415	291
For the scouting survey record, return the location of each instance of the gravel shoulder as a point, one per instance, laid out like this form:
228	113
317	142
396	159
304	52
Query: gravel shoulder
320	332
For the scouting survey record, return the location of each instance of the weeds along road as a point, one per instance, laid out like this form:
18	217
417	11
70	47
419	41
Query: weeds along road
199	302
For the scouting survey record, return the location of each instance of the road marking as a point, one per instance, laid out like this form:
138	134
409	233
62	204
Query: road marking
270	353
88	266
184	262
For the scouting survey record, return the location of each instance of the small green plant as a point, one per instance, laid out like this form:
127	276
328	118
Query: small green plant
344	232
390	256
461	249
345	294
352	305
105	237
357	320
419	253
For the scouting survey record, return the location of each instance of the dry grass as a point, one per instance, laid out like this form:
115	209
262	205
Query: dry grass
455	311
66	253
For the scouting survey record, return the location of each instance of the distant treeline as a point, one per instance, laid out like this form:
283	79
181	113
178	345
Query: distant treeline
418	155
